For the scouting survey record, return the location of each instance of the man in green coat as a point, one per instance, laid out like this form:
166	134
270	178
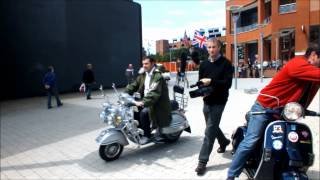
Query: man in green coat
155	102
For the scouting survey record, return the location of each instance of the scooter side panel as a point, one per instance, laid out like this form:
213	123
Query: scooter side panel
178	123
110	136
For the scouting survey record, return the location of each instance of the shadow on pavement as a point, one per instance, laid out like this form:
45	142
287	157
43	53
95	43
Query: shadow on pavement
146	155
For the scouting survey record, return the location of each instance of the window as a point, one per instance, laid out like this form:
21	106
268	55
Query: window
314	34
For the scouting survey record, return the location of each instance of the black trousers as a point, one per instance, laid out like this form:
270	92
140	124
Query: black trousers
145	122
212	116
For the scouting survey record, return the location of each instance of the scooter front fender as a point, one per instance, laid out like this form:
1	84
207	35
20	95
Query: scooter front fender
110	136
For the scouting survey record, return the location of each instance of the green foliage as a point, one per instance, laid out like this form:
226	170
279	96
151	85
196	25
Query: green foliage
160	58
177	53
203	53
144	52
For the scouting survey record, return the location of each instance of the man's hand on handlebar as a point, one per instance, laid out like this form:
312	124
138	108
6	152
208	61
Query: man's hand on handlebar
139	103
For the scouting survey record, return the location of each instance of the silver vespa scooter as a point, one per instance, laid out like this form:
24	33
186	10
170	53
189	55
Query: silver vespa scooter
121	126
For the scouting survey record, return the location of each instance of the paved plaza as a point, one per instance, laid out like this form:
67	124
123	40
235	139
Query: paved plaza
37	143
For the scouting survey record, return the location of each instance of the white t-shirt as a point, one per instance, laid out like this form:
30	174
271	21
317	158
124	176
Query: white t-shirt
147	81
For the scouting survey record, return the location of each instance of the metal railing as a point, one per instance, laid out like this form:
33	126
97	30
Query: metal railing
246	28
287	8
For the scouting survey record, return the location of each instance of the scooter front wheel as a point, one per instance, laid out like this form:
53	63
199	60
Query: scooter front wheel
110	152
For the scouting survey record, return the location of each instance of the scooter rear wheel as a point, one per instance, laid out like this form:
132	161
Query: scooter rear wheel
173	137
110	152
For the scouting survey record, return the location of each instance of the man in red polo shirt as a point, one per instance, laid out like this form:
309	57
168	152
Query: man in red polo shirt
298	81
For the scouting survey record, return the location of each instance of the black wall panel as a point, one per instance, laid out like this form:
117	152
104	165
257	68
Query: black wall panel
67	34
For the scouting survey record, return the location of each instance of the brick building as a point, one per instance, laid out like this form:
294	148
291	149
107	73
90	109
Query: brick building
162	46
287	26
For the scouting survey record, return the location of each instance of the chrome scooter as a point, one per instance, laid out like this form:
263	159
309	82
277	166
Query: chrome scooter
121	126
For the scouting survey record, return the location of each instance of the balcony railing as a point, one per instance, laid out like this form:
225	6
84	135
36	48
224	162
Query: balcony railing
287	8
246	28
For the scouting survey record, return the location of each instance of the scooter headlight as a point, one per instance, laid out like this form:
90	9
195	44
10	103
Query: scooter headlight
293	111
103	115
110	118
118	120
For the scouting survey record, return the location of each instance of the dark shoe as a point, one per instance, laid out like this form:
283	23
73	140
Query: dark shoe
49	107
158	139
88	98
144	140
222	148
230	178
201	168
60	104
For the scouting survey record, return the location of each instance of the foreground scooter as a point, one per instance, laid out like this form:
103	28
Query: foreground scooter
121	127
286	151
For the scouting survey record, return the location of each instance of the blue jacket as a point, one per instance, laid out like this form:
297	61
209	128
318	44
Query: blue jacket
49	79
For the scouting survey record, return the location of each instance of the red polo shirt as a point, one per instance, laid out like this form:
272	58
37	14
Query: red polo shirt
289	84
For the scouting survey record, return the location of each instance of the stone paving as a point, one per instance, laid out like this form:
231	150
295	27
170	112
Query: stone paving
37	143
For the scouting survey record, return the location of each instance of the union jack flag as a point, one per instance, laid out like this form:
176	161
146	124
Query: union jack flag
199	39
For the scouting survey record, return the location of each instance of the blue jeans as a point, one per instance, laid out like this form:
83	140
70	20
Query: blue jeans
88	90
212	116
256	127
53	91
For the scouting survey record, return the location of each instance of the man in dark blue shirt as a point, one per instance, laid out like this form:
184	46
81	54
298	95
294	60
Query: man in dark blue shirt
50	85
217	73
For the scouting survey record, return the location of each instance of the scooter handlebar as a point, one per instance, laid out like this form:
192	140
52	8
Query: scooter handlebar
311	113
257	112
268	111
272	111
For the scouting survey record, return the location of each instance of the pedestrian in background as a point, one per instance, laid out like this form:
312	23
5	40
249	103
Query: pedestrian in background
50	85
129	74
217	72
88	79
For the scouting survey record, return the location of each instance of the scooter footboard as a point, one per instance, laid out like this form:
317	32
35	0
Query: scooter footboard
110	136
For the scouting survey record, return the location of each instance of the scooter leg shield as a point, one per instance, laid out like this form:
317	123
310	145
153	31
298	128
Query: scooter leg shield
112	136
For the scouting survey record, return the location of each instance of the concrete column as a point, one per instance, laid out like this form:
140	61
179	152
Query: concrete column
261	10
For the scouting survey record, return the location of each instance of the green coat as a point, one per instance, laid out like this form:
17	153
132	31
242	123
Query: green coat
157	99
